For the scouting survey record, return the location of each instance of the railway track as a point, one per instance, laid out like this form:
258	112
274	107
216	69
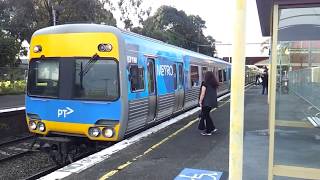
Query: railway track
44	172
16	148
50	169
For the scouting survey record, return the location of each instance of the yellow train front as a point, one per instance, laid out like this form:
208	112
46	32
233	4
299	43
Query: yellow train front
103	83
74	82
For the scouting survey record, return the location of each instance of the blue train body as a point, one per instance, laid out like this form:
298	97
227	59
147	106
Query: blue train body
145	81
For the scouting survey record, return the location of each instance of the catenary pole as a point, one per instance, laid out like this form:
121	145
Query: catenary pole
237	93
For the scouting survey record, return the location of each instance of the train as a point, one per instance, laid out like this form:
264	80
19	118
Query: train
103	83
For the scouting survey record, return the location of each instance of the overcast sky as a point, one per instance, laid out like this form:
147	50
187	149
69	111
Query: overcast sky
218	15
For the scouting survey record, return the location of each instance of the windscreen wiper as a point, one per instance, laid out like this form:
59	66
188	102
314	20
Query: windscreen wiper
84	70
89	65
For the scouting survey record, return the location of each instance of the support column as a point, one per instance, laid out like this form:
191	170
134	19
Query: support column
237	93
273	84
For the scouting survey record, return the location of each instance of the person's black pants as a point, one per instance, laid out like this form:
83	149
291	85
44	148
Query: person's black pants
208	121
265	88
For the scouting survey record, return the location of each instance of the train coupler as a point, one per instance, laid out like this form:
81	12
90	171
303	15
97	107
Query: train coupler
58	148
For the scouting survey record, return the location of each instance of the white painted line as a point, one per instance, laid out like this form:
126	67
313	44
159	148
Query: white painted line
93	159
12	109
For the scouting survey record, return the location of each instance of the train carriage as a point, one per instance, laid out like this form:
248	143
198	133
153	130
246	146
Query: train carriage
100	82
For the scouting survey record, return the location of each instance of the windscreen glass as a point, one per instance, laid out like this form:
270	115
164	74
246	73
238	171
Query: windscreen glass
96	79
44	78
74	78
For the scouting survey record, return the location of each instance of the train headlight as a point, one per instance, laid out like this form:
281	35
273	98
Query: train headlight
41	126
32	125
37	49
94	131
108	132
104	47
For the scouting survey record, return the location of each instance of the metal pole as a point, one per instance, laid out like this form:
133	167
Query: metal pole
54	16
309	56
237	93
272	92
198	45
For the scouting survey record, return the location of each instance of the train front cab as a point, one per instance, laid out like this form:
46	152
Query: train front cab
74	85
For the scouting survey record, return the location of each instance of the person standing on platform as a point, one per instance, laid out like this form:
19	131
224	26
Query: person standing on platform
265	79
258	80
208	100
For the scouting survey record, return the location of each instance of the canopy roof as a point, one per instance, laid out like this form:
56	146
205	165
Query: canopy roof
265	10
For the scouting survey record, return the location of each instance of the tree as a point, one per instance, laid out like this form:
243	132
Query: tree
19	19
131	12
177	28
28	16
9	48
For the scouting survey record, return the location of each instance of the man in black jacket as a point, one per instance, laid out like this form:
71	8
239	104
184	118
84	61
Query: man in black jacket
265	78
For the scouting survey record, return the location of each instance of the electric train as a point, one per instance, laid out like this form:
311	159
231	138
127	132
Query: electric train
100	82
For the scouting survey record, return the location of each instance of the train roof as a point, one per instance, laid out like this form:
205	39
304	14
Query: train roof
79	28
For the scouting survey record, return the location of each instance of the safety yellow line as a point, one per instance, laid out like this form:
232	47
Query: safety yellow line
153	147
294	123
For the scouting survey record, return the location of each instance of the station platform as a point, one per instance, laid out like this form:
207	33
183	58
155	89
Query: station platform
11	101
180	147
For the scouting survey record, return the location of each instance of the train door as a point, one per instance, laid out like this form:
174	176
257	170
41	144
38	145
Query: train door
179	86
151	90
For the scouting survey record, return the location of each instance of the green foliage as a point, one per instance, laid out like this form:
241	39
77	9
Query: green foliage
15	87
132	11
22	17
19	19
9	48
177	28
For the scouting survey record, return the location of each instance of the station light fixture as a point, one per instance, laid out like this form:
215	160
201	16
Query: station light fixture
94	131
108	132
104	47
37	49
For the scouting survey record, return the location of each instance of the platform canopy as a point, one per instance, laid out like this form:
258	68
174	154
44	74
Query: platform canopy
293	21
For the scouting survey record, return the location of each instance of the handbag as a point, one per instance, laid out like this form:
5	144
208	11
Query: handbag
201	125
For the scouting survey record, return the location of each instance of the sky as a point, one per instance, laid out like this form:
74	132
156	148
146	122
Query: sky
219	15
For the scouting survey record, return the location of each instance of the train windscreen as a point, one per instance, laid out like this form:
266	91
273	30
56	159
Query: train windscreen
74	78
96	79
43	78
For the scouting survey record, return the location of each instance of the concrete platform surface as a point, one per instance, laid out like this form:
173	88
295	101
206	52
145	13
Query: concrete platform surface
163	155
11	101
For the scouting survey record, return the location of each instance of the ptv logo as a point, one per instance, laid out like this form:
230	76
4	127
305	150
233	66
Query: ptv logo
65	112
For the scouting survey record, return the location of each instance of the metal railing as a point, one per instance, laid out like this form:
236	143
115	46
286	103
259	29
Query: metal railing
306	84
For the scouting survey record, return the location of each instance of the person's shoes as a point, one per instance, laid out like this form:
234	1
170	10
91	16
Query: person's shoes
215	130
206	134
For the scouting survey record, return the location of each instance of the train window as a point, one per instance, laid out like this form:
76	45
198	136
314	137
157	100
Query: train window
151	79
136	78
96	80
175	76
225	74
180	74
204	70
220	75
43	78
194	76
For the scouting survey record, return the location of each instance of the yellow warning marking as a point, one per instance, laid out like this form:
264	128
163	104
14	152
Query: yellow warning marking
293	123
108	175
124	165
158	144
153	147
147	151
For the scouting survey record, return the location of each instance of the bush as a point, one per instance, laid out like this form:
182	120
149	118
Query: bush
9	87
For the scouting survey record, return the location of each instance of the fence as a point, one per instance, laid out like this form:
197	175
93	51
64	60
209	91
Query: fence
306	83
